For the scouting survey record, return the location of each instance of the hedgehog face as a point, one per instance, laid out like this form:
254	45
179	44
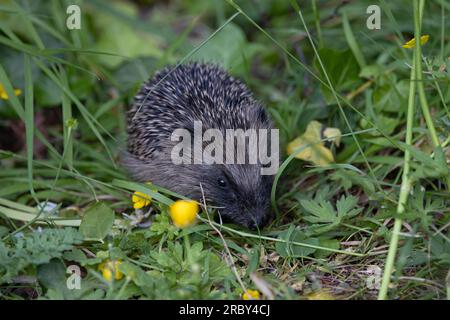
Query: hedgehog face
241	194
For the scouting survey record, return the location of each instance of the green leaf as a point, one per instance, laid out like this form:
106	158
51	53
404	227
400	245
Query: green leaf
133	72
321	212
77	255
391	95
349	178
342	68
52	276
427	166
285	249
119	37
370	71
346	207
352	42
97	221
328	243
227	48
161	225
35	248
3	231
136	274
47	92
325	217
440	249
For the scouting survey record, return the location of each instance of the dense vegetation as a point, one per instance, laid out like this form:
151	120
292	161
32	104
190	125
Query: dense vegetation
383	188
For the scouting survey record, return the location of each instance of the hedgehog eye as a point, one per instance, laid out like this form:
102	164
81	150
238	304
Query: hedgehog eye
221	182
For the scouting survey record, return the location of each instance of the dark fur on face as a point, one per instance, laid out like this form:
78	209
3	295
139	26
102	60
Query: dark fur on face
174	99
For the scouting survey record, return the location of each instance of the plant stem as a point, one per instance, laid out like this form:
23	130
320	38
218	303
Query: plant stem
404	191
122	288
296	243
187	245
405	187
418	10
418	67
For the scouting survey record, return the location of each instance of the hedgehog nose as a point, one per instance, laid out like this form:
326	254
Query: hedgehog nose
258	221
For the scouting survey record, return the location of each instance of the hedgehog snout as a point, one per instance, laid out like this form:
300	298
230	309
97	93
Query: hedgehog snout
259	219
254	219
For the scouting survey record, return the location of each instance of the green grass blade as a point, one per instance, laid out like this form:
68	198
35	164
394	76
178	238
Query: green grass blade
29	122
352	43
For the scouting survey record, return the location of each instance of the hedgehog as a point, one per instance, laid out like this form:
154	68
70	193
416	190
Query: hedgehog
175	98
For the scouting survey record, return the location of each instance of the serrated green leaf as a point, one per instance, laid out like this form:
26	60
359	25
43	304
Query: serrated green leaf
346	206
325	217
35	248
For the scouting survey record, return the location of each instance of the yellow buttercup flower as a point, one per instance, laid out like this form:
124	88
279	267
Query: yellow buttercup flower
412	43
110	270
251	295
4	95
183	213
140	199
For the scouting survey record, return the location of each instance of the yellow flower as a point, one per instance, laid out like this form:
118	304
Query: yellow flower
110	270
140	199
412	43
183	213
251	295
4	95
